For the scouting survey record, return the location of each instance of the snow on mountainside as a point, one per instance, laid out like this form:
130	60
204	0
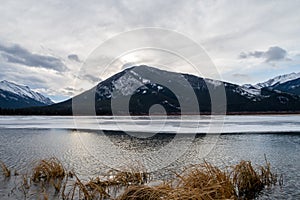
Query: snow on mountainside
278	80
250	89
24	92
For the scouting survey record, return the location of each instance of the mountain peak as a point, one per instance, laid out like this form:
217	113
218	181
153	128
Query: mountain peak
24	92
279	80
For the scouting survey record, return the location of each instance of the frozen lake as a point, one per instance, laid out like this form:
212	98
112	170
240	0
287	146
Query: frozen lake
186	124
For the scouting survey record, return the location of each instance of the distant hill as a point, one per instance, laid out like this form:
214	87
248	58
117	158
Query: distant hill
139	83
15	96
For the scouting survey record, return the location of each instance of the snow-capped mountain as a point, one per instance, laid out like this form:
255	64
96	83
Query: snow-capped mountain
288	83
147	86
135	90
13	95
278	80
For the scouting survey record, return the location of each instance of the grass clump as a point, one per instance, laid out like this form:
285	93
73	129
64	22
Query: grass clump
208	182
249	182
246	179
48	169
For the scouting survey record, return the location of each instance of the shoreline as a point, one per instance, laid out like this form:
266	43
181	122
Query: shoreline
120	132
265	113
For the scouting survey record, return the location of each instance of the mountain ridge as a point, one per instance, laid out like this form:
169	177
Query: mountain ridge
279	80
13	95
288	83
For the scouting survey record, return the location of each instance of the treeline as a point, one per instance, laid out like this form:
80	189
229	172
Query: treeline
34	111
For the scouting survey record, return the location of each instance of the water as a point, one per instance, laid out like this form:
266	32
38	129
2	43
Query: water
90	151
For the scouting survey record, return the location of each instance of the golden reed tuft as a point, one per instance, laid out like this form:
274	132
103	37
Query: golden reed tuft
201	181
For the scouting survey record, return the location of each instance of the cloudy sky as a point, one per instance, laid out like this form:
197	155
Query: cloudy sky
43	44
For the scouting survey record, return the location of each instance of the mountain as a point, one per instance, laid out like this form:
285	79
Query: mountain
13	95
279	80
288	83
138	88
135	90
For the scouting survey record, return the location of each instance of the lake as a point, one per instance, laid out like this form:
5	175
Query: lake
90	145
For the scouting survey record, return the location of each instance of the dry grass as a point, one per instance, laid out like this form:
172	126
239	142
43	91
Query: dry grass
142	192
48	169
205	181
249	182
268	178
25	182
202	181
246	179
208	181
5	170
131	177
99	188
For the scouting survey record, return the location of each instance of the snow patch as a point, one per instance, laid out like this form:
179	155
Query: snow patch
215	83
252	91
159	87
126	85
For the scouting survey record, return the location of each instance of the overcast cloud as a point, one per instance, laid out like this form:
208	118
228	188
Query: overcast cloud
74	57
19	55
272	54
51	39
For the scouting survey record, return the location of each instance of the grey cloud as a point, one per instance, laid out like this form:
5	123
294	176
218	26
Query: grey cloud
20	55
11	72
69	89
72	91
257	54
275	53
243	55
91	78
272	54
74	57
127	65
241	77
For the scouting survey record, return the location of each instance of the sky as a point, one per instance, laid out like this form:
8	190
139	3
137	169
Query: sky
44	44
